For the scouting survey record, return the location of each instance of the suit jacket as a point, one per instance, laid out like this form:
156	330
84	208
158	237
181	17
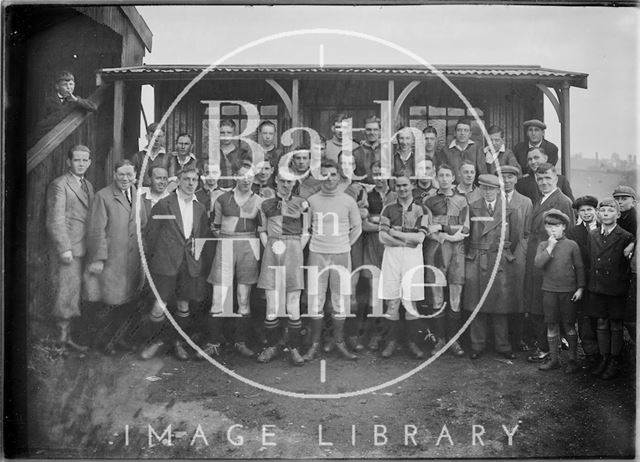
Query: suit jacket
528	186
533	277
580	234
522	149
166	246
68	214
113	239
608	267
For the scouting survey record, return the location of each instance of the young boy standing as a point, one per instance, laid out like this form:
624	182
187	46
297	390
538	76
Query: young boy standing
608	285
563	282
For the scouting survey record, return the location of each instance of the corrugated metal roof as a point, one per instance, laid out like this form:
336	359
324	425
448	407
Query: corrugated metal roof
532	72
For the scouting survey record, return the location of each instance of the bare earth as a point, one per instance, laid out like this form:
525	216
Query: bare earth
79	407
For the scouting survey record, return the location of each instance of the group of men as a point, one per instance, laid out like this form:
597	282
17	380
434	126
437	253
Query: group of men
221	239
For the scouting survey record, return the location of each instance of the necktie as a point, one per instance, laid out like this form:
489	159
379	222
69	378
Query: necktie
490	208
83	185
127	193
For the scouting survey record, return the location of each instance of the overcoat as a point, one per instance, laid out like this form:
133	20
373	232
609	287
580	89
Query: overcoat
533	276
481	254
522	208
112	238
609	269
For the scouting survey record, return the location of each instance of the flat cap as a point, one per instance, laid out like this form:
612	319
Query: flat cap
510	169
609	202
555	213
585	200
489	180
535	123
624	191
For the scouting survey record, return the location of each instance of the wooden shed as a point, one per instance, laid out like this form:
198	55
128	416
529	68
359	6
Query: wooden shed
41	41
308	95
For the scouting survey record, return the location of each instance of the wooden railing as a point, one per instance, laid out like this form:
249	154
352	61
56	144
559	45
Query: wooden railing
52	139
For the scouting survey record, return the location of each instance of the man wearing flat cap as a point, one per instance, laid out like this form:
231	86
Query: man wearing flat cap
585	206
626	198
486	217
535	138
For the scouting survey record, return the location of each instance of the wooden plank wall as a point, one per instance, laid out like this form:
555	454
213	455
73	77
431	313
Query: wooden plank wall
189	113
94	46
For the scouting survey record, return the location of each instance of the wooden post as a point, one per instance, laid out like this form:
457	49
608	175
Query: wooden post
118	121
295	110
565	130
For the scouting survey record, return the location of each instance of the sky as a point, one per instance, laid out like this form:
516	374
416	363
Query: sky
602	42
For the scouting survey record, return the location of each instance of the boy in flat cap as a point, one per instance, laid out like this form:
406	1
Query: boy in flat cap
608	285
535	138
563	282
486	217
585	206
627	200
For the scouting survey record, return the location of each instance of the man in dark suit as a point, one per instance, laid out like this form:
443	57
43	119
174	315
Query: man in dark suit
550	198
170	250
528	185
535	138
68	200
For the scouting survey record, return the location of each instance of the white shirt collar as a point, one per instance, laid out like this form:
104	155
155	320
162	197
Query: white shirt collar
605	233
454	145
536	145
546	196
79	178
153	155
182	197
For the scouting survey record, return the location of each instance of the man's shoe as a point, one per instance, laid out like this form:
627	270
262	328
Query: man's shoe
374	342
211	349
359	344
267	354
456	350
522	346
243	349
550	365
150	351
179	350
571	367
328	345
352	341
389	349
612	370
475	354
601	367
415	350
438	346
509	355
344	351
311	352
538	356
76	346
590	361
296	357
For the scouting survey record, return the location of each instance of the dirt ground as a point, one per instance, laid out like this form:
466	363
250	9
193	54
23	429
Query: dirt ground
81	406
